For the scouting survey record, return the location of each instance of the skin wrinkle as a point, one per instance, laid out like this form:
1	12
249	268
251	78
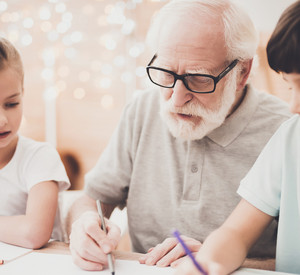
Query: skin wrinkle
203	120
188	115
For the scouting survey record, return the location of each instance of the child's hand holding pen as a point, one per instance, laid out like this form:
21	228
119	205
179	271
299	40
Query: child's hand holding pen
188	268
196	266
192	266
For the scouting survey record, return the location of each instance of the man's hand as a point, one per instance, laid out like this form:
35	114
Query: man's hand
169	252
89	245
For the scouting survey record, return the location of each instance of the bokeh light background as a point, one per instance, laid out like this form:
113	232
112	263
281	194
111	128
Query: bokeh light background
84	59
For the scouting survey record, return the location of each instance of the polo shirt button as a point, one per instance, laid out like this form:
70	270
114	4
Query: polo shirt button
194	169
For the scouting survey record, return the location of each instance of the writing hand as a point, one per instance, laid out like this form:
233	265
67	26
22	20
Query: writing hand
89	245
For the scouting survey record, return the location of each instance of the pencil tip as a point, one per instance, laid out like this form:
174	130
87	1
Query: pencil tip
113	273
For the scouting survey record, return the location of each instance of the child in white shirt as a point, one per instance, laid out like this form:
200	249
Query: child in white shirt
31	172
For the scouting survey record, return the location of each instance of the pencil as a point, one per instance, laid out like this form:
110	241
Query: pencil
103	227
188	252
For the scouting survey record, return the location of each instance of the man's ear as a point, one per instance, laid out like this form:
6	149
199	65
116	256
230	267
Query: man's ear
244	74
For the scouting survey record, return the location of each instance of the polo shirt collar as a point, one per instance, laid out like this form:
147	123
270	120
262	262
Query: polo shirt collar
237	121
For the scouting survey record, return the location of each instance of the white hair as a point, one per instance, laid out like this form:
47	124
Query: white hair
240	35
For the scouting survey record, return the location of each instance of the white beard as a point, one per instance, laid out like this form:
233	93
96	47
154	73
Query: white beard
208	119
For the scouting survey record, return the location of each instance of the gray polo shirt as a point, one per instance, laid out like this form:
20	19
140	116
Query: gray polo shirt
168	183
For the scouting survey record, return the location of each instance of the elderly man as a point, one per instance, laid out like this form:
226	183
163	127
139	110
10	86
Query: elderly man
180	150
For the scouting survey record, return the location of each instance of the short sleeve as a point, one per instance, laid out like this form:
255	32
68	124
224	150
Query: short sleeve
45	165
109	179
262	185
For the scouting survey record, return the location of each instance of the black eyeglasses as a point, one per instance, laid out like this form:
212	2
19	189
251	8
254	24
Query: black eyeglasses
196	83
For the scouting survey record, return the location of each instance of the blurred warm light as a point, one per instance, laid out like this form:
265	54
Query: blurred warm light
46	26
47	73
45	13
79	93
13	36
52	35
48	56
28	23
88	9
110	44
128	27
105	83
119	61
101	20
92	54
108	9
61	86
63	26
102	83
70	53
96	66
63	71
5	17
60	7
135	51
50	94
3	6
84	76
106	69
127	77
107	101
76	36
67	17
14	17
26	40
140	71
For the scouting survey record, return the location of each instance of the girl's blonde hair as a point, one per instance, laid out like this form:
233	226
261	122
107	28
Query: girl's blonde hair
10	58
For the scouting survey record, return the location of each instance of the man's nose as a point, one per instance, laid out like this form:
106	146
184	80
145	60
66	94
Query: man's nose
181	95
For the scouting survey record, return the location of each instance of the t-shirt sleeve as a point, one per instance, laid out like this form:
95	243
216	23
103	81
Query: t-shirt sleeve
109	179
45	165
262	185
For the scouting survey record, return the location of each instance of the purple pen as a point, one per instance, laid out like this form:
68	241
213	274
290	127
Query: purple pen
188	252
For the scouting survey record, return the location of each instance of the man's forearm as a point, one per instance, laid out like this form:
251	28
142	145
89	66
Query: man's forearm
79	206
84	204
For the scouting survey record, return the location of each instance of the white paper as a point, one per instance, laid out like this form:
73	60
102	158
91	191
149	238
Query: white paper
36	263
54	264
248	271
9	252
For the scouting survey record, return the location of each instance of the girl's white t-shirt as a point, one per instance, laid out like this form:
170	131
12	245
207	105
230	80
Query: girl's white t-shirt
33	162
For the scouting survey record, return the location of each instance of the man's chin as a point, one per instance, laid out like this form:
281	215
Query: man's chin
187	131
187	137
194	128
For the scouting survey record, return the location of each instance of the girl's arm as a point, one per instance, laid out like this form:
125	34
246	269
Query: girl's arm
33	229
226	248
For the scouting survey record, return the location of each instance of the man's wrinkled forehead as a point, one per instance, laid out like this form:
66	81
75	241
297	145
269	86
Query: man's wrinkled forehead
178	50
192	54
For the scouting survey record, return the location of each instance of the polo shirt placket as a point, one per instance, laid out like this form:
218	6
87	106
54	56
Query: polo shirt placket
193	171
